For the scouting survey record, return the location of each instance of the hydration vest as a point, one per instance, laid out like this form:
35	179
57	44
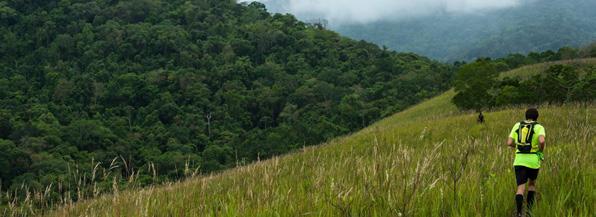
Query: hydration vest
525	133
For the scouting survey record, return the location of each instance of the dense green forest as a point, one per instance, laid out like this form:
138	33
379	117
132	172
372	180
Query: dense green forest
533	26
95	90
479	88
569	77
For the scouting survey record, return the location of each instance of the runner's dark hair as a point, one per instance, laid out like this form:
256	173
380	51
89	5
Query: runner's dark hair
532	114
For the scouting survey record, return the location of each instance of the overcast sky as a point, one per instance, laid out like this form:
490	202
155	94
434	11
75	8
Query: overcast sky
365	11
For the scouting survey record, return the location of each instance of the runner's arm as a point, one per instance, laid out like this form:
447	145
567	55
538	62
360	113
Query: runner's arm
512	136
542	142
541	138
510	142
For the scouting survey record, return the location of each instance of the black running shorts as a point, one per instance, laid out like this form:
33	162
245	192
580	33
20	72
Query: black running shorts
522	174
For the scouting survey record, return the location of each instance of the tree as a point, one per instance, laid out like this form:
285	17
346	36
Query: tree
474	84
5	124
216	158
560	81
13	162
89	135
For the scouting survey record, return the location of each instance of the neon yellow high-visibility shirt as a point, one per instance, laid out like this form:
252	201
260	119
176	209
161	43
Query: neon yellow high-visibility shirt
528	160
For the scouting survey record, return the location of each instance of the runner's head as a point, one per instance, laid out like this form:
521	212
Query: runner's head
532	114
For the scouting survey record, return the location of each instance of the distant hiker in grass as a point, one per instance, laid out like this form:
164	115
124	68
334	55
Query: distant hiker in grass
528	138
480	118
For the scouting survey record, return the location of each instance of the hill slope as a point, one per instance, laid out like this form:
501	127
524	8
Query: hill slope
527	71
429	160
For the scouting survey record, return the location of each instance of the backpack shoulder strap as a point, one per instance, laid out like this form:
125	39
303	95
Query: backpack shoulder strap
519	128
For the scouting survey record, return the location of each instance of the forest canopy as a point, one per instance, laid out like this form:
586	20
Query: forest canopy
479	84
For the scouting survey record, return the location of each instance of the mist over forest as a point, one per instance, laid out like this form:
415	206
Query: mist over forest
450	30
346	12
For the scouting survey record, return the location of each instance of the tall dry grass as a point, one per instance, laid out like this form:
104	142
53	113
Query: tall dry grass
79	184
407	165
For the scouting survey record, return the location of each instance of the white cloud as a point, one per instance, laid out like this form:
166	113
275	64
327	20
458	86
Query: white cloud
365	11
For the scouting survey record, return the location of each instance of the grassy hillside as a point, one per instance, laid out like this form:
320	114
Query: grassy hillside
377	170
530	70
429	160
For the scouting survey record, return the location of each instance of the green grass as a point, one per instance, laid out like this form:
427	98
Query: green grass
530	70
429	160
408	164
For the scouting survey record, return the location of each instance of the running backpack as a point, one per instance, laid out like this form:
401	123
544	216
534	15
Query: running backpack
525	132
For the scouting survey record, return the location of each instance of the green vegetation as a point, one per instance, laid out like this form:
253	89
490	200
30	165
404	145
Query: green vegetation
478	88
474	83
429	160
150	91
414	163
107	97
526	72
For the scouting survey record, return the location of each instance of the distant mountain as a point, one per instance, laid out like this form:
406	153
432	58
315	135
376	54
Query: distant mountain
535	25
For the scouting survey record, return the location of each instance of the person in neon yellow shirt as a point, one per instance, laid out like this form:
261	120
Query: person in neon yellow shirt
528	138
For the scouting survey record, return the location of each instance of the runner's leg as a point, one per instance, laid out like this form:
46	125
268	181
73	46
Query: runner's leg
521	179
532	175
